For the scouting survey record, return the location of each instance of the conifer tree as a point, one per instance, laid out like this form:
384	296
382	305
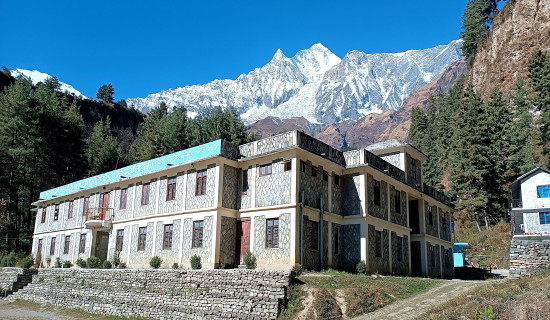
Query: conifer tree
475	24
418	129
106	93
522	150
539	74
102	151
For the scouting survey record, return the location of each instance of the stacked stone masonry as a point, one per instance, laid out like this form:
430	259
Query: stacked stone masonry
529	255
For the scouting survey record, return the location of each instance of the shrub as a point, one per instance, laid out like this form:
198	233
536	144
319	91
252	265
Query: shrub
175	265
155	262
48	261
115	258
67	264
27	262
298	269
365	300
250	260
81	263
221	266
489	313
361	267
122	265
195	262
9	260
107	264
38	260
57	263
93	262
326	304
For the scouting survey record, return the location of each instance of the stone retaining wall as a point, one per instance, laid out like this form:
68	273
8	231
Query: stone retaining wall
7	277
163	294
529	255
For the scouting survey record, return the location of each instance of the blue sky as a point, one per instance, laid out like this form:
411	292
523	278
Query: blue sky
143	47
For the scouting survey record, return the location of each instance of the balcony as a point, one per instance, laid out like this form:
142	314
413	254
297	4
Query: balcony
99	218
515	203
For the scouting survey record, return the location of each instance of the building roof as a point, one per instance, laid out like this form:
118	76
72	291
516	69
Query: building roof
392	143
523	176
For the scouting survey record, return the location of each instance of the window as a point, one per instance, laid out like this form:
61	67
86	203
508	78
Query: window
302	166
430	216
245	182
399	248
171	189
43	220
325	175
200	188
56	213
272	233
288	165
432	251
413	168
167	239
52	247
314	171
544	217
86	205
397	200
67	243
543	191
70	211
336	179
265	170
119	239
123	198
198	227
447	259
39	247
376	192
313	241
145	191
336	241
82	245
378	243
142	238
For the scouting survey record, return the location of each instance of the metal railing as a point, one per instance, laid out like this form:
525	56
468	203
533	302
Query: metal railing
516	203
99	214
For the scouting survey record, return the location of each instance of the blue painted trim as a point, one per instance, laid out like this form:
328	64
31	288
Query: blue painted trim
180	157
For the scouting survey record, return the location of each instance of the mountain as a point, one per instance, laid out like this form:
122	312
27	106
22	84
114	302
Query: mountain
315	84
37	77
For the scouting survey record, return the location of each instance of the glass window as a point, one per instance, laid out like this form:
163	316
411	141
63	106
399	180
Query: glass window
265	170
288	165
378	243
336	241
397	200
376	192
543	191
123	198
43	220
56	213
245	182
399	248
86	205
313	232
544	217
272	233
145	191
198	228
82	245
142	238
302	166
67	243
52	247
71	209
167	239
200	188
119	239
171	189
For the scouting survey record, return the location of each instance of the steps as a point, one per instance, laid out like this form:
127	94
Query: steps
15	279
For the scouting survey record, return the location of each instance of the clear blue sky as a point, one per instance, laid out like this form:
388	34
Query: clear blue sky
143	47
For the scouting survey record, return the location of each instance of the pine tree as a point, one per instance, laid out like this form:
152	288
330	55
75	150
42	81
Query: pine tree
102	151
475	24
419	128
52	83
106	93
539	74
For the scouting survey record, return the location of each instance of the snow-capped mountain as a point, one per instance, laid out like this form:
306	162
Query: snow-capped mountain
315	84
37	77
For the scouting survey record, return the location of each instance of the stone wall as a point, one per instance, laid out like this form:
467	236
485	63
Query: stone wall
163	294
434	265
378	264
193	201
400	264
431	226
230	188
272	256
529	255
351	246
315	187
447	262
12	279
411	180
273	189
337	195
352	203
228	234
400	217
379	211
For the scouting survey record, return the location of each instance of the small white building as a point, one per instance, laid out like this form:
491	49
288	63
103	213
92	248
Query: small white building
530	203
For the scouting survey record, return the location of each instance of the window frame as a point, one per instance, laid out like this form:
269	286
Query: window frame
399	246
543	191
167	237
56	212
272	233
40	246
52	247
43	217
314	171
287	165
82	243
325	176
377	199
302	166
378	243
145	193
171	184
337	179
142	238
432	258
397	200
85	205
244	181
119	242
313	232
266	169
430	215
336	242
67	244
198	234
200	184
123	203
70	210
544	218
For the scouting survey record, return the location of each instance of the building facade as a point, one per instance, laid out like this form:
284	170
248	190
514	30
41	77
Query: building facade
287	199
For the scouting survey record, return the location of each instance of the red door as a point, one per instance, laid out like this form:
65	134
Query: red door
103	205
243	239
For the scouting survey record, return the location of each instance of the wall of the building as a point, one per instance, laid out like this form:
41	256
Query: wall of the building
529	185
531	221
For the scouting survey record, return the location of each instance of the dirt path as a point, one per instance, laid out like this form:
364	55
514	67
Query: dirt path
23	310
415	306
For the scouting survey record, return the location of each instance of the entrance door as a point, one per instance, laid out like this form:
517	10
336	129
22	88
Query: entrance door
416	259
414	217
101	245
103	205
243	239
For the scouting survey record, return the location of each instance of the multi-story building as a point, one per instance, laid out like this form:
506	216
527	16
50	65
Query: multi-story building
287	199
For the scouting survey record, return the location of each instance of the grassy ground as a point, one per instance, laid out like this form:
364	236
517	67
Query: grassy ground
339	294
526	298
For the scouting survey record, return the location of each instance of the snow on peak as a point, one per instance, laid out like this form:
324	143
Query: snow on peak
37	77
279	55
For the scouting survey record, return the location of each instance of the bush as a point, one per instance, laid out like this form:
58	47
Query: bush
195	262
155	262
67	264
38	260
9	260
48	261
116	258
250	260
107	264
81	263
57	263
326	304
175	265
361	267
93	262
122	265
298	269
26	263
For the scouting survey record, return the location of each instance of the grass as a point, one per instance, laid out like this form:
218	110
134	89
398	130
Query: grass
526	298
295	297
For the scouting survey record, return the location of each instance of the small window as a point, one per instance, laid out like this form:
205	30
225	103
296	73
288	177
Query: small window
414	168
336	241
336	179
397	200
67	244
142	238
272	233
544	217
302	166
325	176
543	191
82	245
378	243
399	248
85	205
314	171
123	198
200	187
376	192
39	250
245	182
265	170
171	189
56	213
432	251
70	210
430	216
167	239
447	260
52	247
313	242
288	165
43	219
145	191
119	239
198	228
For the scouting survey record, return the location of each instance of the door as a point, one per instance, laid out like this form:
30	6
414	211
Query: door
414	217
103	205
243	239
416	259
101	245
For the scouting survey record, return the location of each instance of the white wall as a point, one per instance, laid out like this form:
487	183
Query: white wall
529	191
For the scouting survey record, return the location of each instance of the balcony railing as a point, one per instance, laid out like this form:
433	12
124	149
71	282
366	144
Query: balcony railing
99	214
516	203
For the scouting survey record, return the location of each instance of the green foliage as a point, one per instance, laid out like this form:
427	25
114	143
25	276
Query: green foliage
81	263
195	262
361	267
93	262
175	265
38	260
106	93
9	260
27	262
67	264
115	258
155	262
476	22
298	269
122	265
325	304
102	150
107	264
250	260
57	263
539	74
